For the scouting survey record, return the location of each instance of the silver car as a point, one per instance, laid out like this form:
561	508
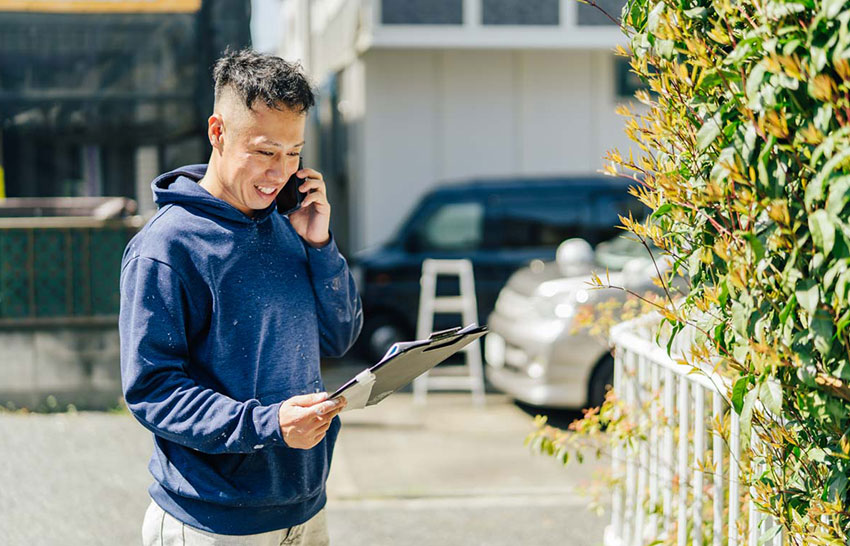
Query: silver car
533	351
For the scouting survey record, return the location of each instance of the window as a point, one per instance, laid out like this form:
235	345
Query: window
627	82
520	12
456	226
546	221
604	213
592	16
422	12
540	222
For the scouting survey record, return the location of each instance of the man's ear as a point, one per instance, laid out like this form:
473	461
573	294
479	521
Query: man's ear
215	132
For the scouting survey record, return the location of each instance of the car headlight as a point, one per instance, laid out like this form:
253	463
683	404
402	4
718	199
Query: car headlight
561	305
536	370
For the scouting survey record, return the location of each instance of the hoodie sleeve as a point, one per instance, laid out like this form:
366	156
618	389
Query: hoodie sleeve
337	301
155	312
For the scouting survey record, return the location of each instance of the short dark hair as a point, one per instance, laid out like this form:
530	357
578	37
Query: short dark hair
255	76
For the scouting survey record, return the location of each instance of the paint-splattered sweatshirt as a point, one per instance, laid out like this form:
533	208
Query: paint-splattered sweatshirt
223	317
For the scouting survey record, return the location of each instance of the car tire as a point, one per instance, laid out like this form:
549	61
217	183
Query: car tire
379	334
600	381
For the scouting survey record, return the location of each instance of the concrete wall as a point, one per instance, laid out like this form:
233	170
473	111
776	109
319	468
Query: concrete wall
73	365
436	115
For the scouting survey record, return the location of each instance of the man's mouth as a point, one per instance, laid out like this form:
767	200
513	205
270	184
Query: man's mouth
266	190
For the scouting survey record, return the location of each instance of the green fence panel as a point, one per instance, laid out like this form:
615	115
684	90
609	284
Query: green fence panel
107	247
60	272
81	272
49	273
15	279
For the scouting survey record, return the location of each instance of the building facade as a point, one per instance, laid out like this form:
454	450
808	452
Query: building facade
418	92
98	97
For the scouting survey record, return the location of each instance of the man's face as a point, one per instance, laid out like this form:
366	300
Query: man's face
259	152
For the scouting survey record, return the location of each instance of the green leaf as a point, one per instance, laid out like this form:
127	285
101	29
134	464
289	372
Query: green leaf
740	319
770	394
818	57
754	80
807	295
723	297
708	132
823	117
746	414
749	144
755	244
831	8
764	161
807	373
842	288
837	487
787	309
843	322
662	210
696	13
823	230
654	18
839	194
769	534
778	10
832	273
843	370
817	454
738	391
790	46
739	53
814	191
823	330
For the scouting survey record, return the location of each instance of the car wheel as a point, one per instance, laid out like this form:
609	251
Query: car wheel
601	380
379	334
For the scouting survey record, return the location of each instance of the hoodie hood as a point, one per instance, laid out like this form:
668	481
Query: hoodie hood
181	187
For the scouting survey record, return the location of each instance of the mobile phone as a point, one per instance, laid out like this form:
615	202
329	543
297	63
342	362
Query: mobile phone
289	198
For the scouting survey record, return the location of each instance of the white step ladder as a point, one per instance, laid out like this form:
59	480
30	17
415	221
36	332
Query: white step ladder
465	304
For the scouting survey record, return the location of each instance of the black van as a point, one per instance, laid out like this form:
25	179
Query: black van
498	224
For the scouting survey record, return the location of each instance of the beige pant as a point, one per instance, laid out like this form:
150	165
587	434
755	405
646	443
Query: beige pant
162	529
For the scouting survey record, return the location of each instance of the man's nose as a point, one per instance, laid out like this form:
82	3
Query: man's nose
277	174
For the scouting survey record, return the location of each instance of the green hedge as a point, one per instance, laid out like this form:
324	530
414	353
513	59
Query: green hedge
744	157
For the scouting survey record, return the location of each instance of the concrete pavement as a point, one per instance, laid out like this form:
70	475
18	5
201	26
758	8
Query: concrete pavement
447	473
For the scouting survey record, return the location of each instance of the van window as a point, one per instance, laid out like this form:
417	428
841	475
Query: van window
527	224
454	226
546	220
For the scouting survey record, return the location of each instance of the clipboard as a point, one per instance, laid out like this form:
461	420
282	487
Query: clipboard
404	362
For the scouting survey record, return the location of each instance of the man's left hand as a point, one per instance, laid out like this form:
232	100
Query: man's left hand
312	220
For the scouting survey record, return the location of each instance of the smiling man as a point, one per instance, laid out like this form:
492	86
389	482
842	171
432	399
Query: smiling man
226	308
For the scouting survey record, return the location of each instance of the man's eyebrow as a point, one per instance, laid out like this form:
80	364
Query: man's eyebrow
278	145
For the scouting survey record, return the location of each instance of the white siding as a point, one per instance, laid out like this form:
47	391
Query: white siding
477	133
557	129
401	156
444	115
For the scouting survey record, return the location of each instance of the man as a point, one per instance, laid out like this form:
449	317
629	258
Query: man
226	308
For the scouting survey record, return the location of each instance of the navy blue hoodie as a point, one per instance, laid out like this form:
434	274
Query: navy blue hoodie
223	317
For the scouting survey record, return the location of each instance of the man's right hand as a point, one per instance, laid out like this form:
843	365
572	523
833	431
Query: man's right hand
304	419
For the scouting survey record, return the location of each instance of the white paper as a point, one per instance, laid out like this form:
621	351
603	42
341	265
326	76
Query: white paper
357	395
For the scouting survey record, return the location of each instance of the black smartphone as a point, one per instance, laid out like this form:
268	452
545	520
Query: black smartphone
289	198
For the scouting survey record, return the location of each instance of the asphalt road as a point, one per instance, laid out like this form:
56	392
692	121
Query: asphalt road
447	473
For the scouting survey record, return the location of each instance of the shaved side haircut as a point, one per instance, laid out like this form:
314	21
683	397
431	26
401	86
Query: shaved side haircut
253	77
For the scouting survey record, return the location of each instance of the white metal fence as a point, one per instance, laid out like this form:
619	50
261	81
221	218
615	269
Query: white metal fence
672	484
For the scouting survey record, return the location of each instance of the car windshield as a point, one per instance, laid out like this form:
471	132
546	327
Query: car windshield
615	253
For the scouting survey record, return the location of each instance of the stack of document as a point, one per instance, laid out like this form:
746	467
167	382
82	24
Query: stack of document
404	362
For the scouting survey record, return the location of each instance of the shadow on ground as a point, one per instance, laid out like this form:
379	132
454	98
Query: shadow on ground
557	417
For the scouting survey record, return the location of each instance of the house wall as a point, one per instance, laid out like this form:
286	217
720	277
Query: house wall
440	115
